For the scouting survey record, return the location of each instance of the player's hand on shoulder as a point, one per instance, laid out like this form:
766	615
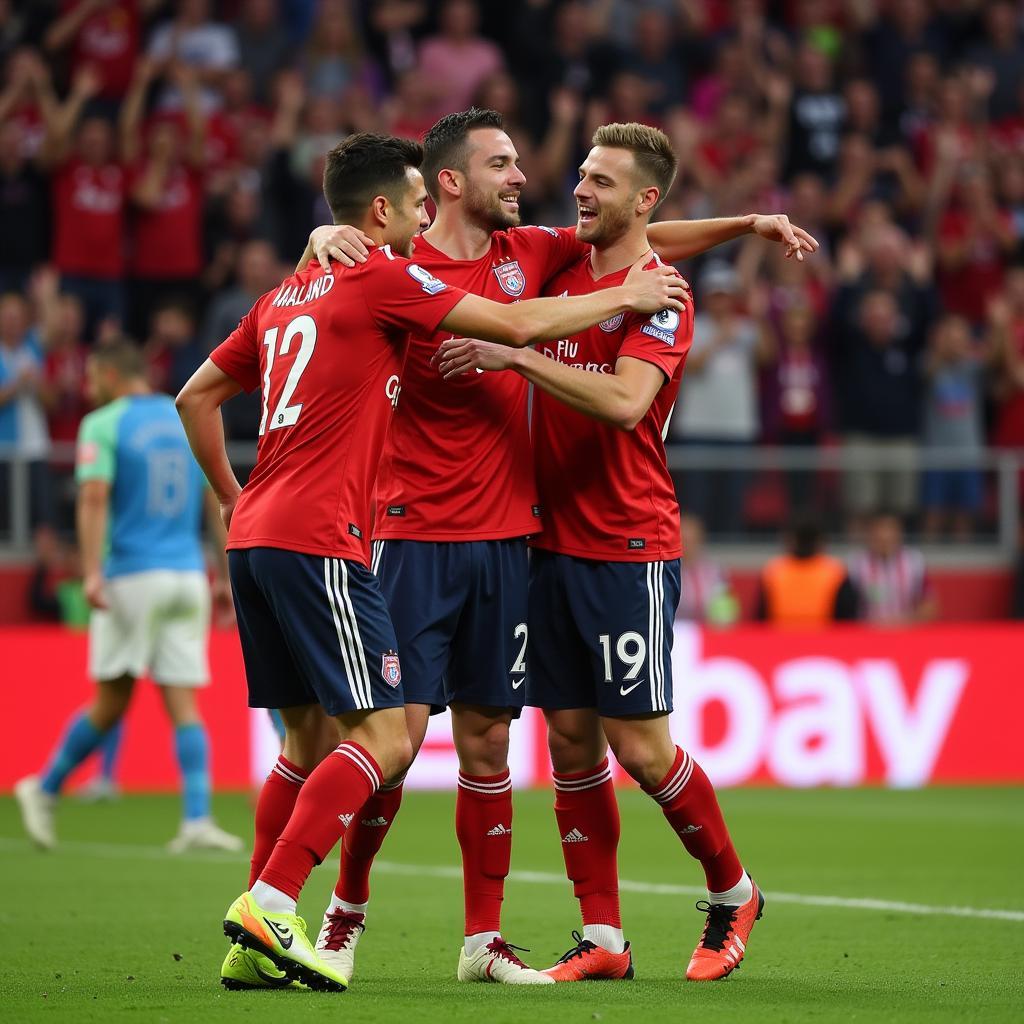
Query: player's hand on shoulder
93	585
776	227
340	242
660	287
457	356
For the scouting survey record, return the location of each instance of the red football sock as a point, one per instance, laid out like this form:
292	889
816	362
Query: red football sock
689	804
328	802
588	824
363	840
483	824
273	809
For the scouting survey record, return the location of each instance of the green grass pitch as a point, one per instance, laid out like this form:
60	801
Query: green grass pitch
110	928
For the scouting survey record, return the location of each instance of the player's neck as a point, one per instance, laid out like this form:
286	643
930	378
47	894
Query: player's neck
620	254
457	237
131	389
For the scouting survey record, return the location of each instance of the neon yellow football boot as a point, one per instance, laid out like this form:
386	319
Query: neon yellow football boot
282	939
245	968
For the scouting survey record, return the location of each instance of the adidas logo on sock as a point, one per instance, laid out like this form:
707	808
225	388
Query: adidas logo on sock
500	830
346	819
575	836
374	822
689	829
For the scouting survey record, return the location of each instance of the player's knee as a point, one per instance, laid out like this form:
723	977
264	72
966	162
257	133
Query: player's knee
572	751
485	753
396	755
639	761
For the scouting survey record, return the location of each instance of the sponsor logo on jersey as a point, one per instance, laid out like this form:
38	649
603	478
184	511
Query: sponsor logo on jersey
355	531
391	668
636	543
662	326
511	278
396	510
392	389
612	324
425	279
544	227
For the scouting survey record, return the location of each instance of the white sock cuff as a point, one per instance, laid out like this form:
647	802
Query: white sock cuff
600	775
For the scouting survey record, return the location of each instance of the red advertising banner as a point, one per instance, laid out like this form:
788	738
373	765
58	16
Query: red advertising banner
841	707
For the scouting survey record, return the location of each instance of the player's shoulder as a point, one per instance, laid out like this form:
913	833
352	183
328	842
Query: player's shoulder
104	420
529	236
384	267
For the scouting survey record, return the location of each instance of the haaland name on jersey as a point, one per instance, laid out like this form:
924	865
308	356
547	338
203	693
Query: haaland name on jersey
295	295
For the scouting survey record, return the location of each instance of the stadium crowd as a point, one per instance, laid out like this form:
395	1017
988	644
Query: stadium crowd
160	168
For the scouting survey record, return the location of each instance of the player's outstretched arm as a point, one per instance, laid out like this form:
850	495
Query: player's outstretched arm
621	398
676	240
526	323
198	404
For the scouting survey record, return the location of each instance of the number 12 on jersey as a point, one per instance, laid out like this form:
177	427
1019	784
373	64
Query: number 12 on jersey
285	414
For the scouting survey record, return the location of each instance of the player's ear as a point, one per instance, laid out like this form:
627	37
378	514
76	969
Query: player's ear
450	182
648	200
381	210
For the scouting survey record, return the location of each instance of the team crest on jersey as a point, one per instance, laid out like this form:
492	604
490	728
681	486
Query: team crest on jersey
662	326
391	668
511	278
612	324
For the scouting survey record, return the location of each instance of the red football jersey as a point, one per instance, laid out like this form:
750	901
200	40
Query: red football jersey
457	464
88	219
607	493
326	351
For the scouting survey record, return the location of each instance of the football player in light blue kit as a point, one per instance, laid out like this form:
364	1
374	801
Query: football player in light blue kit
140	503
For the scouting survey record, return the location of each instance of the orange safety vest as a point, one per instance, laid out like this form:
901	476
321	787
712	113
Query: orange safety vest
802	591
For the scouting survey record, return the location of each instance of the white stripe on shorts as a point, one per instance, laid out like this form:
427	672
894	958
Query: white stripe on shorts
358	654
333	597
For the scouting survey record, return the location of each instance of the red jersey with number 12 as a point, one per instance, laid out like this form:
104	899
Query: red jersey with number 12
607	493
457	464
327	351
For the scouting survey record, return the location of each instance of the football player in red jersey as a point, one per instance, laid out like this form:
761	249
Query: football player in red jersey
324	349
456	500
604	579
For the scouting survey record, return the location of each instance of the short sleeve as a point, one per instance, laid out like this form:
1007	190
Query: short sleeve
96	450
663	339
239	355
555	249
402	295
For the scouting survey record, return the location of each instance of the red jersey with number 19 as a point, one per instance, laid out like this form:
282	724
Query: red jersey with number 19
327	351
607	493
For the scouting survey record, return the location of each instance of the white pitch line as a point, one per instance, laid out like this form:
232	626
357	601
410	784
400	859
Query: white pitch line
128	851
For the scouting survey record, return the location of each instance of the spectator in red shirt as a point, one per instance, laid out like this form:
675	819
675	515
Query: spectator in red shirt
166	194
104	34
172	350
89	189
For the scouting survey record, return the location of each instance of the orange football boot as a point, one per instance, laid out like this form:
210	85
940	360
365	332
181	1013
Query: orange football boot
587	961
724	941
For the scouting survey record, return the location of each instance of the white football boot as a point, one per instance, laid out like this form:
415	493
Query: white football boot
203	834
37	810
338	939
497	962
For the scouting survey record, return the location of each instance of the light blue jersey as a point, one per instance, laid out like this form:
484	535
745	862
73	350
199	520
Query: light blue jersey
137	444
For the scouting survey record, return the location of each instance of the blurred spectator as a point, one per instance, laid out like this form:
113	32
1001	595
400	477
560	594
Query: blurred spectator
172	350
334	60
22	420
954	370
1000	59
89	193
165	182
654	57
890	578
805	587
816	115
55	591
63	343
718	398
457	60
262	47
705	595
880	392
103	34
797	398
193	39
1006	338
24	210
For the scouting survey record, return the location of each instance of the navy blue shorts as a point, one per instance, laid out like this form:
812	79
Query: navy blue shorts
314	630
601	634
959	489
459	610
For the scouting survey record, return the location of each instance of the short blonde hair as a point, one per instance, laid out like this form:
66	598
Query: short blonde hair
656	161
